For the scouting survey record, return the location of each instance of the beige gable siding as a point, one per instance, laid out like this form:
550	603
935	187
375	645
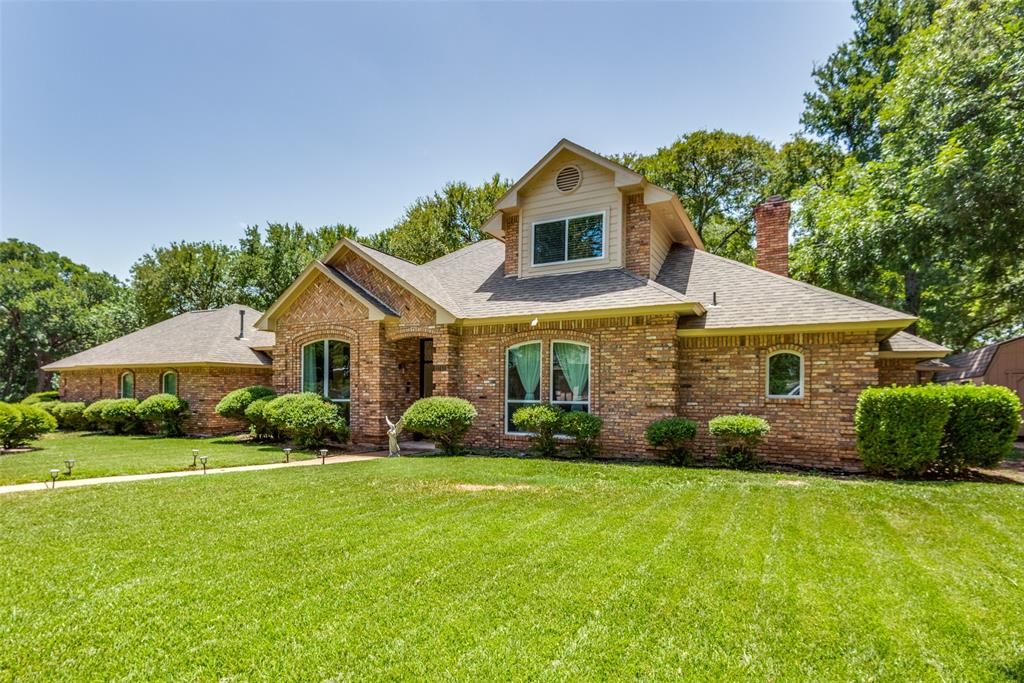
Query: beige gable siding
540	200
661	243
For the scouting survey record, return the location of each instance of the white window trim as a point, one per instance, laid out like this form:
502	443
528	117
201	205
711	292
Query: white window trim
163	386
551	372
302	369
120	384
566	219
768	371
508	416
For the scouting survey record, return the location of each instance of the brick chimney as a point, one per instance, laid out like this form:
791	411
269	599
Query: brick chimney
772	219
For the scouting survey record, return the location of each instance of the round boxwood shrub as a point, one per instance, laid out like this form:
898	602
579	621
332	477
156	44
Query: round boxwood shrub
307	419
259	426
738	437
70	415
674	435
235	403
543	422
33	422
119	416
10	420
93	413
41	397
900	429
165	412
982	426
585	429
445	420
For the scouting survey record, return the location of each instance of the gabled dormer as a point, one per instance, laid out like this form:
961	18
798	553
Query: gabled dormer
576	210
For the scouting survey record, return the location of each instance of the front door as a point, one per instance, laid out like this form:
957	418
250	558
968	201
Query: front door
426	367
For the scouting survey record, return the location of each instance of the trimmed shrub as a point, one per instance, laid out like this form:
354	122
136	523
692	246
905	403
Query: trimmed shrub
982	426
34	422
119	416
585	429
259	427
900	429
41	397
445	420
674	435
93	413
235	403
10	420
543	422
307	419
70	415
165	412
738	437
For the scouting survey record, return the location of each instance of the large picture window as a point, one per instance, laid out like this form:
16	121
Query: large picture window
127	387
570	376
522	379
575	238
785	375
326	370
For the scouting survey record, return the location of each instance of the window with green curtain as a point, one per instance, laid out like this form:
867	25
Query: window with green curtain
170	383
785	375
128	385
522	383
570	376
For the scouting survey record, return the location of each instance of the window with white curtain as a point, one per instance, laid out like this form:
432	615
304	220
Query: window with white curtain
570	376
522	379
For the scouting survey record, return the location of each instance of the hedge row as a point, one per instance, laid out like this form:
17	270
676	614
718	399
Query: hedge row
307	419
911	431
544	423
21	423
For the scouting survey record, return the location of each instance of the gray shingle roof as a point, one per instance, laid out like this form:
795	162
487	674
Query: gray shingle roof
195	337
904	342
474	280
750	297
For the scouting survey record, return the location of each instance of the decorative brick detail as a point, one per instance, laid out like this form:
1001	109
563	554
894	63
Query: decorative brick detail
725	375
637	242
412	309
510	226
772	219
202	386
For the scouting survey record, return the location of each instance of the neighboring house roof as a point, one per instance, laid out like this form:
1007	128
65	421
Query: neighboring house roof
971	363
195	338
738	296
909	346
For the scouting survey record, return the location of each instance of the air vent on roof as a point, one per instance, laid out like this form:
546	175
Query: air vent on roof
568	179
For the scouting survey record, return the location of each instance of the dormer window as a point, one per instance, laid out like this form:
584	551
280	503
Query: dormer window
574	238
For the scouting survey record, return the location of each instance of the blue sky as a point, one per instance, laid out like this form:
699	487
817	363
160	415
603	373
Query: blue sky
129	124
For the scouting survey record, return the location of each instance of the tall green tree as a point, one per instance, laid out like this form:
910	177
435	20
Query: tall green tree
849	90
719	177
442	222
184	276
268	261
935	225
51	307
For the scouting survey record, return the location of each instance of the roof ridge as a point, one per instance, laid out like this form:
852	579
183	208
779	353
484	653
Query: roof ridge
867	305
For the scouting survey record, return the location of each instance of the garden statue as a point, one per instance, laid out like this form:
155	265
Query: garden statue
393	429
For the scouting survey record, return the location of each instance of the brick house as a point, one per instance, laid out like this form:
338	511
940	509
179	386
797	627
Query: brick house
596	294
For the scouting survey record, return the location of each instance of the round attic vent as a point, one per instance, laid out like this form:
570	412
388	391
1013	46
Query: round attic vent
568	179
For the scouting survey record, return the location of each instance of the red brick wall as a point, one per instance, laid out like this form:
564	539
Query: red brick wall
637	243
772	218
202	386
510	226
901	371
632	379
724	375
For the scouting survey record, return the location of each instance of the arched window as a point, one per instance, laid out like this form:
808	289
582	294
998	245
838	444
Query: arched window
570	376
169	382
522	379
127	385
326	370
785	375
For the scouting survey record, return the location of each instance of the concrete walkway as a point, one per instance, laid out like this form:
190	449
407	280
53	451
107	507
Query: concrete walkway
71	483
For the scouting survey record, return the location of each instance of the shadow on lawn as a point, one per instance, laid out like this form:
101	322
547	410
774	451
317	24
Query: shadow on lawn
1013	671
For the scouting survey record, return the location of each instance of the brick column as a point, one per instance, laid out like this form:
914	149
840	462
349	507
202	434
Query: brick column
772	219
445	361
638	236
510	226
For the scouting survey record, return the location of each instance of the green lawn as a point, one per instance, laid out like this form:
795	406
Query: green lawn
100	455
391	569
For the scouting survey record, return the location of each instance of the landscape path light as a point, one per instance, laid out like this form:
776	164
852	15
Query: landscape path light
287	455
195	454
69	464
323	456
53	478
203	460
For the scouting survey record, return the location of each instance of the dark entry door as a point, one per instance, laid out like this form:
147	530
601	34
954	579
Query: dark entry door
426	367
